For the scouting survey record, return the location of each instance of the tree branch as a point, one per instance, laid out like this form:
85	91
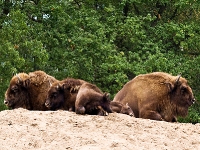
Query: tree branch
162	8
174	14
136	9
6	7
125	10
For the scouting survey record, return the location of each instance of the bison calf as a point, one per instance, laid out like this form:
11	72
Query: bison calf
91	100
62	94
28	90
121	108
158	96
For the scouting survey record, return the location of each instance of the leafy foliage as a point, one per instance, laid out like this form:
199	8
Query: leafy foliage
103	42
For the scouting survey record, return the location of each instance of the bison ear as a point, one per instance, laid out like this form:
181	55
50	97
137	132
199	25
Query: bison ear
60	86
66	87
106	96
170	87
173	85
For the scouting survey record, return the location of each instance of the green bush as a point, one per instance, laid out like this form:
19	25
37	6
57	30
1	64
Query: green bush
104	42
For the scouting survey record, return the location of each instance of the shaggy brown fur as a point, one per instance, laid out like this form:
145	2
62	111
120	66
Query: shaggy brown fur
158	96
62	94
121	108
91	100
28	90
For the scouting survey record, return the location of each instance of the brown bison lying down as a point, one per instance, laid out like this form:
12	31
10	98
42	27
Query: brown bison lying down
91	100
62	94
157	96
28	90
121	108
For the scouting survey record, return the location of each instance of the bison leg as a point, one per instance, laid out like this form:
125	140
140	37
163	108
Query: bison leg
149	114
71	108
174	119
101	111
170	118
80	110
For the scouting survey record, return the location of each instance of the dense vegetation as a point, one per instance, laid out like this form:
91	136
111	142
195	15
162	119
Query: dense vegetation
104	42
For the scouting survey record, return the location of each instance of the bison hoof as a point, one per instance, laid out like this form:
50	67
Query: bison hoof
47	104
81	110
102	113
70	109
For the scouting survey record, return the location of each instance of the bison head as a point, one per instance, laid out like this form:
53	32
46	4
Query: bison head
17	94
97	106
55	96
181	96
105	103
126	109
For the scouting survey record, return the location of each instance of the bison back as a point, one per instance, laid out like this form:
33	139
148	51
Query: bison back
40	83
147	90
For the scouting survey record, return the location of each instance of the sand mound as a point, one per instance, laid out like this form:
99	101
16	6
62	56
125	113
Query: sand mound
23	129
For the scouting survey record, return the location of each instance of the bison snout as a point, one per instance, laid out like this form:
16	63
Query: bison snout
47	104
193	100
5	102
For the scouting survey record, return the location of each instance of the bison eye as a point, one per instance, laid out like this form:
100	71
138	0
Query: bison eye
183	89
14	89
54	95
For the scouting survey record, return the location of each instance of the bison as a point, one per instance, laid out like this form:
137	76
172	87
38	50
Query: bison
157	96
91	100
62	94
28	91
121	108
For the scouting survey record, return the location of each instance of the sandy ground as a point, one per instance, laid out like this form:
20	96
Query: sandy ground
63	130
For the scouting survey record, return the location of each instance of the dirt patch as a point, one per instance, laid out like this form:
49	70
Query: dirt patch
23	129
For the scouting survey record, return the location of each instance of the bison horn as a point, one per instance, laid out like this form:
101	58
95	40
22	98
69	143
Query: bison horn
177	80
50	83
57	87
20	79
